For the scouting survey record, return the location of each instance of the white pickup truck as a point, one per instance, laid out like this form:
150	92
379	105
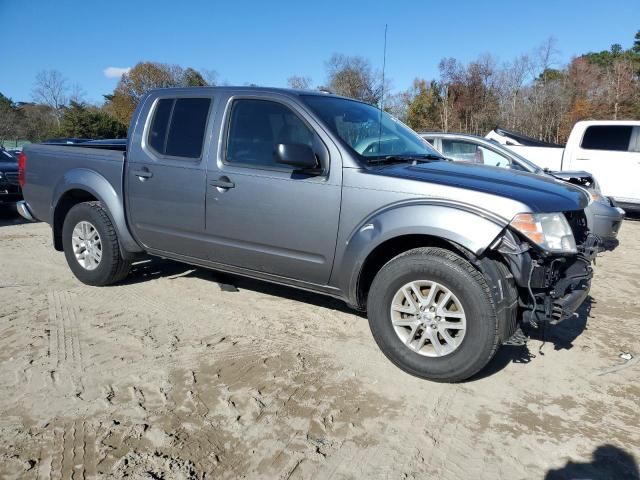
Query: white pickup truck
608	149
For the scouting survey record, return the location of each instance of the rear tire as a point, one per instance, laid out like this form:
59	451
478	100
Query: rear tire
447	338
91	247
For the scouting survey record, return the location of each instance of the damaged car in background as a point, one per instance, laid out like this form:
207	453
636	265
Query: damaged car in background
604	217
325	194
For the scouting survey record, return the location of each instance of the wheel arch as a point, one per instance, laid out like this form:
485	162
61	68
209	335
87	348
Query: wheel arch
83	185
464	230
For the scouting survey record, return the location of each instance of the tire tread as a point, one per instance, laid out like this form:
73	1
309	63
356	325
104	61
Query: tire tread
451	260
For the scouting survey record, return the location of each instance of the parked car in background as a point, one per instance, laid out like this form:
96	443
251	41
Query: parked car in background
446	258
10	192
609	149
603	216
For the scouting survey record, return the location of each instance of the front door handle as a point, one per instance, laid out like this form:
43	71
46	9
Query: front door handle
144	172
222	182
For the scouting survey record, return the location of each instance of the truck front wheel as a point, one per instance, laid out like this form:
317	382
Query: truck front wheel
91	245
431	313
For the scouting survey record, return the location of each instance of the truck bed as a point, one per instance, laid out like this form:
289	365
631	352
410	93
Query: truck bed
49	165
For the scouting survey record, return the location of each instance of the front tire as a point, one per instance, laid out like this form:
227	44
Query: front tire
431	313
91	247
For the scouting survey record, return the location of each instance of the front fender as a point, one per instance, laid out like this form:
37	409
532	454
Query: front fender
464	225
98	186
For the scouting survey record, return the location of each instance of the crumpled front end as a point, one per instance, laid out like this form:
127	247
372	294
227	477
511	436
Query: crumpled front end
551	287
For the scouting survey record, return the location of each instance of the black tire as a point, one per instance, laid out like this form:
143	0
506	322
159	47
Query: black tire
480	340
112	267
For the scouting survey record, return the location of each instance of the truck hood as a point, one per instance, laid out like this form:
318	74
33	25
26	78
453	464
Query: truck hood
577	177
540	193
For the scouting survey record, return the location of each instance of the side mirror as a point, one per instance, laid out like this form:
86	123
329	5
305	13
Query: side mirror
297	155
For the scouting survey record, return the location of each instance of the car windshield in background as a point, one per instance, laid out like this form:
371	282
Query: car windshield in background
370	133
527	164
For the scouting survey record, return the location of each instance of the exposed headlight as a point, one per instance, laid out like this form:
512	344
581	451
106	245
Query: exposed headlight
550	231
596	196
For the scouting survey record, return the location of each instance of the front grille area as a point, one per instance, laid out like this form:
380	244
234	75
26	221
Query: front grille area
578	223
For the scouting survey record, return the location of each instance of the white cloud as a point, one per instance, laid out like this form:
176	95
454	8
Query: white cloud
115	72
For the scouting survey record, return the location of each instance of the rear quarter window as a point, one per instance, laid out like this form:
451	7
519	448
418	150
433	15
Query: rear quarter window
607	137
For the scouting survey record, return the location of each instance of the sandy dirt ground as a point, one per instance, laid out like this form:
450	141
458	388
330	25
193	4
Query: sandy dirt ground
183	373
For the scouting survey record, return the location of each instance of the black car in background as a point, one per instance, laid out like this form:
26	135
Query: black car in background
10	191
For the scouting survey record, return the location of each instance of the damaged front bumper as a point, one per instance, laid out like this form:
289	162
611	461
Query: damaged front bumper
551	287
561	299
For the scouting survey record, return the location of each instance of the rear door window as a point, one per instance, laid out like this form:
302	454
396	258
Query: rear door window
178	127
607	137
158	131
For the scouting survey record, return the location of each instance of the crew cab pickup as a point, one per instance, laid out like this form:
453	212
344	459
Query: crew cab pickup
299	189
608	149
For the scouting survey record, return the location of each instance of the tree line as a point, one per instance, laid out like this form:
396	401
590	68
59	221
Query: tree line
531	94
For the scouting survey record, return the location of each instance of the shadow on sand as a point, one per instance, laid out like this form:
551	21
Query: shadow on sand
559	336
9	216
607	462
157	267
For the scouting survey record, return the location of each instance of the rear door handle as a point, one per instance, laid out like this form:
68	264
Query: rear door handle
222	183
144	172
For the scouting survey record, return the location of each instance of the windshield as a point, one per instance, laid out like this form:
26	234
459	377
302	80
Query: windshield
526	163
368	131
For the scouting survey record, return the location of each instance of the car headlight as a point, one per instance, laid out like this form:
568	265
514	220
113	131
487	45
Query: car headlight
550	231
596	196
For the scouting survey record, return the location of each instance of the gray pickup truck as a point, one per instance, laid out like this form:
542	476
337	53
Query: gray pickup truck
299	188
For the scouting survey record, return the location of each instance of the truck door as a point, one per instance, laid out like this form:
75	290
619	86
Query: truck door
612	154
265	216
165	175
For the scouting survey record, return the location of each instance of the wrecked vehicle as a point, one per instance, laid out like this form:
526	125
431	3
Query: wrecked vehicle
604	217
447	258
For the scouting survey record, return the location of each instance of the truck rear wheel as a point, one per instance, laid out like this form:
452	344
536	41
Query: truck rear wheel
431	313
91	245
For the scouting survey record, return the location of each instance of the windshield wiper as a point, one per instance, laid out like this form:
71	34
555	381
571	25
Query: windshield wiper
427	157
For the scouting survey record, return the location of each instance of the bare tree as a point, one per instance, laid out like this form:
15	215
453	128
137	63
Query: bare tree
354	77
51	89
302	83
77	94
211	76
620	86
512	82
545	57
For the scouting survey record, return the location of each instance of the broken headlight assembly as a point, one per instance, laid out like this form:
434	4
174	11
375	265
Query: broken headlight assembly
549	231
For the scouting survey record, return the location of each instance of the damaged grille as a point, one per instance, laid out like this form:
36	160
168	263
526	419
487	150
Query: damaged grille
578	223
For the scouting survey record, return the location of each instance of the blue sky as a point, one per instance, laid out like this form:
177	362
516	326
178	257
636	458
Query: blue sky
265	42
